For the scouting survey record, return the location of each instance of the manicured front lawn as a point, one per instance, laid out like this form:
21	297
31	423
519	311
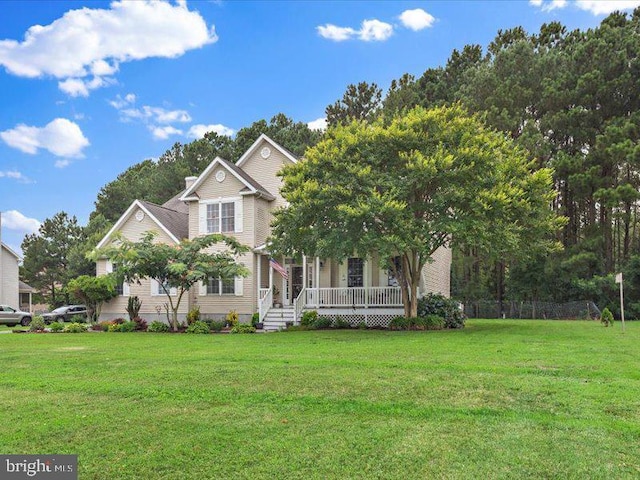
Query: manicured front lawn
500	399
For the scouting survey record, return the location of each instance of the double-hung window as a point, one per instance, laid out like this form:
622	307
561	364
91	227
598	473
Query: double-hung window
218	286
221	217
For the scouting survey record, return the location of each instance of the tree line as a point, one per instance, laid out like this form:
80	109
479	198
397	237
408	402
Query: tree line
570	98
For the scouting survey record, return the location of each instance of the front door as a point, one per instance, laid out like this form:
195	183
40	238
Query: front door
297	283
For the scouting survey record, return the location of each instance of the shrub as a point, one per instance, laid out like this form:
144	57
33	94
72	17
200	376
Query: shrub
216	325
133	307
193	316
37	324
128	327
243	328
399	323
255	319
322	323
308	318
158	327
606	318
56	327
76	328
102	326
114	327
198	328
341	323
118	321
430	322
443	307
232	318
141	324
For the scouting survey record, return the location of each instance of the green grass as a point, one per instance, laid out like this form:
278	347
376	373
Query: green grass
500	399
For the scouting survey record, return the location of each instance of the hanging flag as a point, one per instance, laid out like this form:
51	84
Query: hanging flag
279	268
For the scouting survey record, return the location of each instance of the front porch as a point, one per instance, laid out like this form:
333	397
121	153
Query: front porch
357	290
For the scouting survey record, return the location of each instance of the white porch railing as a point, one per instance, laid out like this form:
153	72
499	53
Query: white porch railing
298	305
266	300
353	297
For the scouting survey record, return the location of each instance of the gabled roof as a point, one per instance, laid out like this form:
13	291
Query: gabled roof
275	145
174	224
252	187
6	247
176	204
24	288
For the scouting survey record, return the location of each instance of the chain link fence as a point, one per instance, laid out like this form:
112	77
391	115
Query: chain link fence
578	310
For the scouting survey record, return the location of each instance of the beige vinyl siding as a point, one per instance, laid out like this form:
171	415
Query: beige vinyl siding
264	171
436	276
263	218
133	230
211	189
217	306
9	276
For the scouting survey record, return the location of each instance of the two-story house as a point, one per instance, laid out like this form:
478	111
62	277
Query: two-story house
239	200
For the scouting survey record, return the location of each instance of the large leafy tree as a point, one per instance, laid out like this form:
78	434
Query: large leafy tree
405	188
47	265
175	266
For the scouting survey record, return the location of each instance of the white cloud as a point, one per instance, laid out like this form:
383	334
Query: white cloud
61	137
162	133
335	33
318	124
65	162
77	87
416	19
375	30
548	5
370	30
606	7
198	131
93	42
14	220
15	175
155	114
120	102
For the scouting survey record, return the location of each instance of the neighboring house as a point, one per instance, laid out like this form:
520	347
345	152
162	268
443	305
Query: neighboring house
239	200
9	291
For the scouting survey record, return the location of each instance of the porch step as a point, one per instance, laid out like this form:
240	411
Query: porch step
277	318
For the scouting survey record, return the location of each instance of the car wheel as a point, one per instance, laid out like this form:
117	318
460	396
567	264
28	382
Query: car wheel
25	321
60	319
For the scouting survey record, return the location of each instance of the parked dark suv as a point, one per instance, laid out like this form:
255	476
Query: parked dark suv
64	314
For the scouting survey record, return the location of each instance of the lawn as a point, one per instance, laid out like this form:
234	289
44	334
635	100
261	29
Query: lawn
500	399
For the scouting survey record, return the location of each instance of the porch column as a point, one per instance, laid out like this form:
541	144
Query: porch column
304	271
317	281
365	282
259	279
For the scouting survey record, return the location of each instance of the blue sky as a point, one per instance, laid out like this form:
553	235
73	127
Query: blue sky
91	88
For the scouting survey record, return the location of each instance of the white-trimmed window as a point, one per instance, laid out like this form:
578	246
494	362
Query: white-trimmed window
122	289
223	215
158	290
218	286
